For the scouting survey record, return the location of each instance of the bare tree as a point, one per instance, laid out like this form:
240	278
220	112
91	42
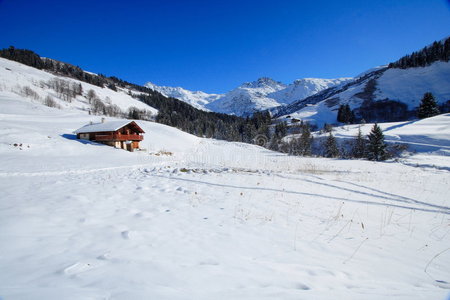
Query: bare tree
29	93
91	95
97	106
50	102
63	88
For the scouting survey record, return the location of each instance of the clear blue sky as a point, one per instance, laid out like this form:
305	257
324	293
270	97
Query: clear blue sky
214	46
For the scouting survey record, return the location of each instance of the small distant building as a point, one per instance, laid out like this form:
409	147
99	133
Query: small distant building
120	134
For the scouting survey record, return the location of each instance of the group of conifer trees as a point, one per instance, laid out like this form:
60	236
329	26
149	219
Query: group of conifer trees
371	147
438	51
345	114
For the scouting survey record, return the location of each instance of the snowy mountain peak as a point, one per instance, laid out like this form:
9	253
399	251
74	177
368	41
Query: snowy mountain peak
261	94
321	81
198	99
264	82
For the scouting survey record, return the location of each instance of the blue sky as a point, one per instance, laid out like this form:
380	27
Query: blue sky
215	46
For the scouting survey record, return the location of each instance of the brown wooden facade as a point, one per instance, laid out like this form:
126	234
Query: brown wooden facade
126	137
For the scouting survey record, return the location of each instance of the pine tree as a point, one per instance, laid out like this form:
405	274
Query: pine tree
331	148
345	114
428	107
359	145
376	148
274	143
281	130
305	140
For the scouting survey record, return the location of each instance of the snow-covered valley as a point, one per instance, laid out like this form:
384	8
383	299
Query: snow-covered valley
193	218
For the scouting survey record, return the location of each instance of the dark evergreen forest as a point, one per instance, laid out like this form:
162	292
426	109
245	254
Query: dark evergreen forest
438	51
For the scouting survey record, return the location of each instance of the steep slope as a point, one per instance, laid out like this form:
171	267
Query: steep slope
38	85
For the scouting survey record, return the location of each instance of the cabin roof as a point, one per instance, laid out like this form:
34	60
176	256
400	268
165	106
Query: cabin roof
107	126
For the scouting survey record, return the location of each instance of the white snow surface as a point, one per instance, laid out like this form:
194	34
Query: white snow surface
214	220
428	140
409	85
250	97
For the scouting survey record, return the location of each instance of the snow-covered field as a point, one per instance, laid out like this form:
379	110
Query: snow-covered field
214	220
427	140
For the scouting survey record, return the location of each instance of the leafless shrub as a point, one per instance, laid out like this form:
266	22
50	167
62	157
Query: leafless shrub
113	111
395	150
29	93
139	114
77	89
50	102
97	106
91	95
66	90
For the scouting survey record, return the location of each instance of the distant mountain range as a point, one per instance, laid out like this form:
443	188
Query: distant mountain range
262	94
386	93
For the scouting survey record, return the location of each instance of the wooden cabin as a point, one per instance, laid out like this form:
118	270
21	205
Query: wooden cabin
120	134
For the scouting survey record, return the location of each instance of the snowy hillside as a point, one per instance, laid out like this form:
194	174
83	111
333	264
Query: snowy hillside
403	85
210	219
36	85
198	99
258	95
409	85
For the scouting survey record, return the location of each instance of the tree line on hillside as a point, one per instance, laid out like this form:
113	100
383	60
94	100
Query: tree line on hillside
387	110
172	112
29	58
438	51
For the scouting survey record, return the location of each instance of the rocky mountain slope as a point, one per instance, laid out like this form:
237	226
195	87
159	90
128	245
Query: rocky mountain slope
262	94
198	99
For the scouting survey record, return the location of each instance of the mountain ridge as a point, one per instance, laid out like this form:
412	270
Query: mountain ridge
250	97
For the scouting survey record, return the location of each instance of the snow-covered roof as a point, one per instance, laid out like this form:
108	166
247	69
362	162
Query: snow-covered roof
102	127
